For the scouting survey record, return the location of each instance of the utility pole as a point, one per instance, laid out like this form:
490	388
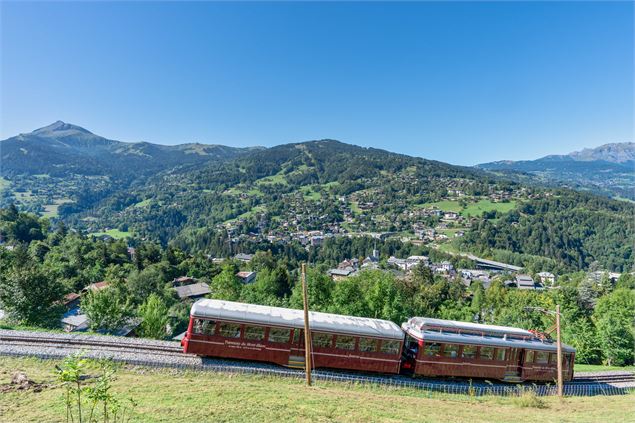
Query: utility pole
558	341
307	332
559	350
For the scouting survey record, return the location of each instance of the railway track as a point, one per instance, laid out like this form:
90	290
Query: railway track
75	341
168	354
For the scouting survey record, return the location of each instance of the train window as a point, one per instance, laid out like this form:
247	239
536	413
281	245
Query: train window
345	342
553	358
297	333
469	351
229	330
451	350
529	357
432	350
568	359
204	327
542	357
279	335
254	333
487	353
390	347
368	345
500	354
322	340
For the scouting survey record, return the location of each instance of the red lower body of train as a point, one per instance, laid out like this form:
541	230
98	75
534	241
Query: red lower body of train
285	346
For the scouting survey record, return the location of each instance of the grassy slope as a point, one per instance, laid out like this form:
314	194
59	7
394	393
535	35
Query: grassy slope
115	233
167	396
472	209
601	368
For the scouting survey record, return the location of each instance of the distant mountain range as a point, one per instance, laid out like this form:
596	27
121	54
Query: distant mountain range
62	148
608	169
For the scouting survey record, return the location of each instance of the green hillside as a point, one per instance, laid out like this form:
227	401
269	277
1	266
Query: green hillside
195	196
163	396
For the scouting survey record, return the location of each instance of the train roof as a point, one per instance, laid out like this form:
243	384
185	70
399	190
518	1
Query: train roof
266	315
454	325
493	338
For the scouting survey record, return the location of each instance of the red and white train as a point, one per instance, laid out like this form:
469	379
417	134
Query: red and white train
422	346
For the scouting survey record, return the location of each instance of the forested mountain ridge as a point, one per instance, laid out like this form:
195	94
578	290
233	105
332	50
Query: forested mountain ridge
65	165
608	169
220	200
61	148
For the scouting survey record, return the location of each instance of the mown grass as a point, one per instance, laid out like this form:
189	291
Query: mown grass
445	205
311	195
471	209
601	368
51	210
477	209
171	396
115	233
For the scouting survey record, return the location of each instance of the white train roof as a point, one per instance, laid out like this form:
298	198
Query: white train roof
266	315
431	333
454	325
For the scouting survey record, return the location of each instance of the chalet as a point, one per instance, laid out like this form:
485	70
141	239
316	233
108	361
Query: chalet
415	260
397	262
524	282
183	280
547	278
450	215
245	258
192	291
73	322
339	274
246	277
97	286
370	263
71	300
354	263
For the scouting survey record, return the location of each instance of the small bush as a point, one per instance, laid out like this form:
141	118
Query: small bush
529	399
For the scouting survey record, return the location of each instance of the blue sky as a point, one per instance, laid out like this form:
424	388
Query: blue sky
458	82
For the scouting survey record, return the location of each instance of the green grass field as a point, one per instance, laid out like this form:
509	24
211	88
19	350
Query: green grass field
445	205
477	209
278	178
143	203
247	214
600	368
115	233
177	396
472	209
51	210
311	195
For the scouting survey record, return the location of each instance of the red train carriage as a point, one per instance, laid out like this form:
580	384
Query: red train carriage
254	332
437	347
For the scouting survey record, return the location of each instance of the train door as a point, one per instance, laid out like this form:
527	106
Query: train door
296	354
520	358
410	353
514	368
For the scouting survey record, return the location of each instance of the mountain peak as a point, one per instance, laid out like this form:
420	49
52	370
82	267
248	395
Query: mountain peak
614	152
60	128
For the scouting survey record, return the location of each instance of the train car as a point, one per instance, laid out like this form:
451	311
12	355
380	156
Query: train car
436	347
276	335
